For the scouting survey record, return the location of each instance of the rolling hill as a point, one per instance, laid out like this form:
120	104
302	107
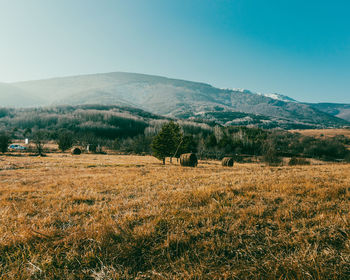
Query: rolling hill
12	96
179	98
335	109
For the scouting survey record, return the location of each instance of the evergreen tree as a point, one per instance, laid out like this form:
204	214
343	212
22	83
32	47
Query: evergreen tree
167	141
188	145
211	141
4	142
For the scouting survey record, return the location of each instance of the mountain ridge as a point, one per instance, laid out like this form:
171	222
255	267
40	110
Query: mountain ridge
174	98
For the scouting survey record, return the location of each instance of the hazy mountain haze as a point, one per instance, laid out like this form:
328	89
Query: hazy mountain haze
15	97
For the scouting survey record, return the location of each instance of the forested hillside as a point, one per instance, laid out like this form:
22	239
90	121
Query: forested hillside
338	110
130	130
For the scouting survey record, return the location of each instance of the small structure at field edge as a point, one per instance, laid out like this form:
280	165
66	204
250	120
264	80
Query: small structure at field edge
76	151
189	159
227	161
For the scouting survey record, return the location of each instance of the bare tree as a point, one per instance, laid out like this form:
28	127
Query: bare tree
38	139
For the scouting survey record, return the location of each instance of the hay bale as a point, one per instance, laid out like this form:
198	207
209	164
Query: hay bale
76	151
188	160
227	161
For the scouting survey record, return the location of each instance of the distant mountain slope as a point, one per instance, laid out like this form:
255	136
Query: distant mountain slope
275	96
172	97
11	96
159	94
338	110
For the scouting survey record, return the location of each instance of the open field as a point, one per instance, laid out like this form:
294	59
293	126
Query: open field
129	217
323	132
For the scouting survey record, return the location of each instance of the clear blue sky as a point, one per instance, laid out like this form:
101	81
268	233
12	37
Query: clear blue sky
298	48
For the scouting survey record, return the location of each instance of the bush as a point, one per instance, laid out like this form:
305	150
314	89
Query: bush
270	155
328	149
347	157
38	139
298	161
65	141
272	159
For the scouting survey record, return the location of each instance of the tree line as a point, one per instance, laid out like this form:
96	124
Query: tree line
130	130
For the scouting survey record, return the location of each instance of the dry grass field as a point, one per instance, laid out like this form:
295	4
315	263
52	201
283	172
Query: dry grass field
323	132
129	217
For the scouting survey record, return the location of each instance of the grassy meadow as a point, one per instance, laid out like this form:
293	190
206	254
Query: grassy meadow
324	132
129	217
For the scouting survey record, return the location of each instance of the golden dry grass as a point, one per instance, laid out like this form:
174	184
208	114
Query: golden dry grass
129	217
323	132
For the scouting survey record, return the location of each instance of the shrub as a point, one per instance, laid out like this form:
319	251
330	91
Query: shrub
270	155
347	157
65	141
38	139
298	161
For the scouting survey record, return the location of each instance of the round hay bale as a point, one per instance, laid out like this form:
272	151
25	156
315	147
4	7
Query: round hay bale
227	161
76	151
189	159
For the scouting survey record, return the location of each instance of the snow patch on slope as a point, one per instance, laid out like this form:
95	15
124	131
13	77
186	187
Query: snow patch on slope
275	96
280	97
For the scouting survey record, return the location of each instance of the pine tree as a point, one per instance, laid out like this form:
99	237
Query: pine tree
188	145
167	141
4	142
